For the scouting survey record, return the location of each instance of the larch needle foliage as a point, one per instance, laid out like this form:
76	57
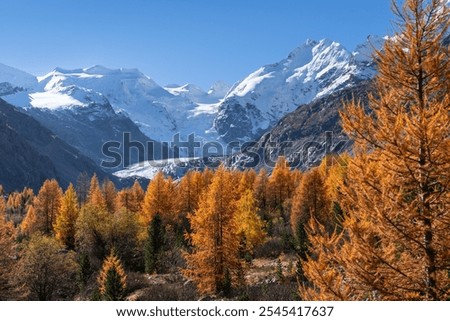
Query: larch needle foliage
7	252
47	206
250	226
66	219
157	200
395	243
112	279
214	261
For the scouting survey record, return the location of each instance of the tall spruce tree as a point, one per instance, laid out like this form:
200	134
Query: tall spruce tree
154	244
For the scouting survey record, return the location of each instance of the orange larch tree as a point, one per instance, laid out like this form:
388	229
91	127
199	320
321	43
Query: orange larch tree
109	194
396	231
7	253
47	205
158	200
66	219
214	263
280	187
95	195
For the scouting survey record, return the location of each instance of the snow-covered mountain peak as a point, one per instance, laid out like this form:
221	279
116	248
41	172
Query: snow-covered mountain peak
115	84
312	70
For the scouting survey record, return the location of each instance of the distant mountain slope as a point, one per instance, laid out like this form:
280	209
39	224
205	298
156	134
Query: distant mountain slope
88	128
30	153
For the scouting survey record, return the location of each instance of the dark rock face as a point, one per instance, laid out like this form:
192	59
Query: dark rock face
234	121
305	135
31	153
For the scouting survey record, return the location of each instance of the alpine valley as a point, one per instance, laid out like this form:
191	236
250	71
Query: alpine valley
77	111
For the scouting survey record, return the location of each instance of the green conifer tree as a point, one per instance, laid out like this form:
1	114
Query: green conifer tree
154	244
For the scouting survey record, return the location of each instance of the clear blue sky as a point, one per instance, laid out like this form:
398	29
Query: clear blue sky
178	41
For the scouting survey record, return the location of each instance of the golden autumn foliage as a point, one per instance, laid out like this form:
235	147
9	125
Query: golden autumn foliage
47	205
95	195
91	231
18	203
395	239
112	279
65	220
45	269
29	223
158	200
97	232
247	181
188	192
2	206
280	186
131	198
310	200
7	253
109	194
334	172
250	226
214	263
121	234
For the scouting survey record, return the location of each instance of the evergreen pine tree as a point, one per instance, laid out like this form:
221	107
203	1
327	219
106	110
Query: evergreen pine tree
154	244
84	270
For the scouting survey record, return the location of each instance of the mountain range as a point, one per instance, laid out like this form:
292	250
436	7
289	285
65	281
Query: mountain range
86	108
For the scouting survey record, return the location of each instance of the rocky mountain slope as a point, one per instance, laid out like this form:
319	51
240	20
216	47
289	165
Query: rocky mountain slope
305	135
30	153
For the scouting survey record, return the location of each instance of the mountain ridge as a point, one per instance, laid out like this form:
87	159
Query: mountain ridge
312	70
